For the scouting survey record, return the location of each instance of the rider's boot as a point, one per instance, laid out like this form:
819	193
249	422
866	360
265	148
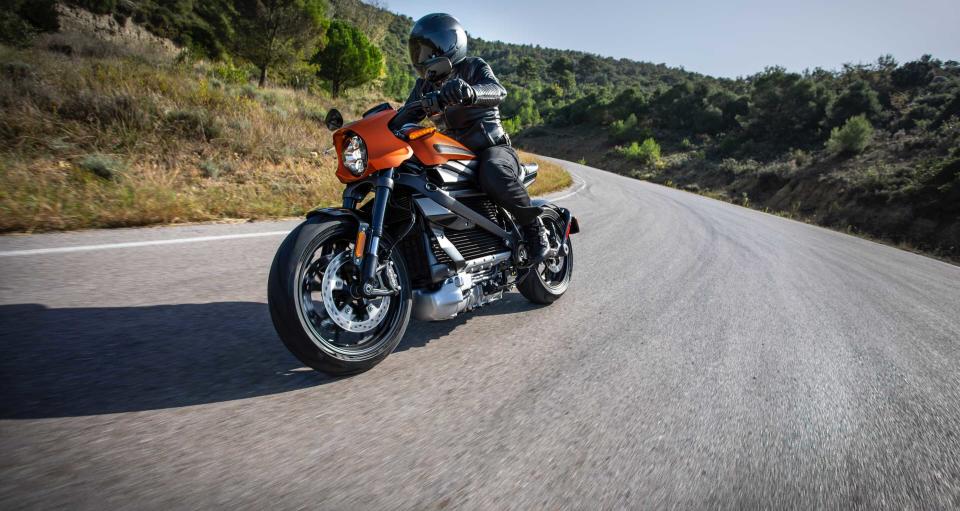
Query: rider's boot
536	242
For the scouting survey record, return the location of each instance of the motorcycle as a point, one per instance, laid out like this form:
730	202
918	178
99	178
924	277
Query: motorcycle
346	281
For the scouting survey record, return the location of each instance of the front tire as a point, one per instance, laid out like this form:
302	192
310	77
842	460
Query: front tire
547	282
312	310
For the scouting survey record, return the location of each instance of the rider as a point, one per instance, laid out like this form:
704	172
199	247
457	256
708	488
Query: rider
470	95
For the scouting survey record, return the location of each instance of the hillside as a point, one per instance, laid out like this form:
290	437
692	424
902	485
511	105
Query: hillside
870	148
104	124
760	141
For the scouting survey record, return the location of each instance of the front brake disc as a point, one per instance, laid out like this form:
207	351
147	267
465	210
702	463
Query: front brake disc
345	316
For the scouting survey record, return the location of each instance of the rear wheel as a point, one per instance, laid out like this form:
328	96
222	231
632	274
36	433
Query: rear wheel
547	282
316	310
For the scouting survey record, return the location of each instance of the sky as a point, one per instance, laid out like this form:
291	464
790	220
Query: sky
720	38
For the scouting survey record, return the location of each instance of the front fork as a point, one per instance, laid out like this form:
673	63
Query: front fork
368	241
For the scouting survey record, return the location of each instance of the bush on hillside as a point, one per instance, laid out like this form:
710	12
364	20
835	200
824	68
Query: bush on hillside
858	98
852	138
21	20
192	123
620	130
101	165
646	153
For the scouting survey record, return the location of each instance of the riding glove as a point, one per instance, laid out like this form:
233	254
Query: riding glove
457	92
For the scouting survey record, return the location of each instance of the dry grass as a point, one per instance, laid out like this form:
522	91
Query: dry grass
116	140
113	138
551	177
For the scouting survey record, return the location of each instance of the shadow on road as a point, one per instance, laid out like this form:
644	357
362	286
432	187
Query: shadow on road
88	361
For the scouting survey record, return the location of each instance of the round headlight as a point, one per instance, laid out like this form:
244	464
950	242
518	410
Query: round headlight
355	155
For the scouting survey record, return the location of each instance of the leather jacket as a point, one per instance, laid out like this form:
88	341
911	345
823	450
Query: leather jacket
476	125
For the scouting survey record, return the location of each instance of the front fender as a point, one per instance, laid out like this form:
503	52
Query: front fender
358	216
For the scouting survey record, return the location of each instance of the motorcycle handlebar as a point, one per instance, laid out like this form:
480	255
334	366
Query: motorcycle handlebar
431	103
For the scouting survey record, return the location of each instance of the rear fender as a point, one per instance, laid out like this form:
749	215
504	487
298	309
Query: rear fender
565	213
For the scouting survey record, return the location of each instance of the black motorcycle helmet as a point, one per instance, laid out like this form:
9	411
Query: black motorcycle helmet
436	35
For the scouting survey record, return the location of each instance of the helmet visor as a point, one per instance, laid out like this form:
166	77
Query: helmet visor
421	50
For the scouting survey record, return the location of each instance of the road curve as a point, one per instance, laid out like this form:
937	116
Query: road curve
706	356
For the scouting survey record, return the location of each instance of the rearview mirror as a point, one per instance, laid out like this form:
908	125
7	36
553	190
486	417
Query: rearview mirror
436	69
333	120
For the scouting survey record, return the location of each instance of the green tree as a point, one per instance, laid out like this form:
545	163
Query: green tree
916	73
567	82
520	110
786	109
686	107
852	138
22	19
528	69
858	98
349	58
628	102
274	32
588	66
561	65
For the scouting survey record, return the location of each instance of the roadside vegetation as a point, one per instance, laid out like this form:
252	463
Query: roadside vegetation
550	178
870	148
134	131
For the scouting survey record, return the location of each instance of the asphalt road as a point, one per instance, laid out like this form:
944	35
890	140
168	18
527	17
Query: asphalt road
705	356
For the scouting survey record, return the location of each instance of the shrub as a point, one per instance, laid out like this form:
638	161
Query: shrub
739	167
858	98
800	157
16	70
620	129
647	153
21	20
230	73
312	114
210	169
105	109
191	123
852	138
101	165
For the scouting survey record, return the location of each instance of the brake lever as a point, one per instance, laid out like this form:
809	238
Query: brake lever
431	103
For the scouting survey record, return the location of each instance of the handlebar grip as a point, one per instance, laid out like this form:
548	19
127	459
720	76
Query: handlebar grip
431	103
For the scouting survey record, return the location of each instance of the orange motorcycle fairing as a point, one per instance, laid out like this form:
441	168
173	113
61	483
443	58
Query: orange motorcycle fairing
437	149
384	149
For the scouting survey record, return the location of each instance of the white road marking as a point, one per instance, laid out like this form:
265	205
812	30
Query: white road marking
582	185
134	244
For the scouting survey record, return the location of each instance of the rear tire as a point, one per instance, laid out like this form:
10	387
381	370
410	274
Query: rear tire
543	285
297	319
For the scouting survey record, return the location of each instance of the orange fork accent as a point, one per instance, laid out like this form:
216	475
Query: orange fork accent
361	242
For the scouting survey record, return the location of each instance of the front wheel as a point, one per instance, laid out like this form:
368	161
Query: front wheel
314	304
547	282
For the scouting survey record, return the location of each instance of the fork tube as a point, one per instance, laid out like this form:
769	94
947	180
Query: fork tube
368	268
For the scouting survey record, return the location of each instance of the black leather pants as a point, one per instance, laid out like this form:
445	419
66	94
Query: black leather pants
499	178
